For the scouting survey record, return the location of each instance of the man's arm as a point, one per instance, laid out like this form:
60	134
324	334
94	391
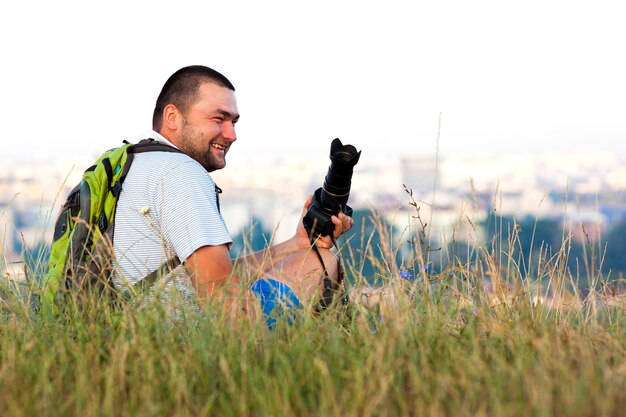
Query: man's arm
211	270
252	266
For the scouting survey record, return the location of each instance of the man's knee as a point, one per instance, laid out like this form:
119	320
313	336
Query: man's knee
304	272
312	265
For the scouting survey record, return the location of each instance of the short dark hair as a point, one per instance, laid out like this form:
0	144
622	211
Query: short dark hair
181	89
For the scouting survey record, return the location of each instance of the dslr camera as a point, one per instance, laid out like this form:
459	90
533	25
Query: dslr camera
332	197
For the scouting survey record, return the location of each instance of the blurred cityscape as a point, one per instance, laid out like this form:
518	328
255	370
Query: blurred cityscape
584	192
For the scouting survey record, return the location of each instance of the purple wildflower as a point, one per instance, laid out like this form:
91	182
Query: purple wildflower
405	274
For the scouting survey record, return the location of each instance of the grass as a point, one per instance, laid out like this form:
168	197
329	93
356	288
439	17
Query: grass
482	338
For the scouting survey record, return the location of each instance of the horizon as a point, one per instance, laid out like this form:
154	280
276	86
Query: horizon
320	150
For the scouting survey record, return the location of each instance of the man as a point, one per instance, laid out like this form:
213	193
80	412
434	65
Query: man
169	209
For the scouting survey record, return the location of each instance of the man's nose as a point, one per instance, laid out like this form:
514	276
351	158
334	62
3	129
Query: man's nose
228	131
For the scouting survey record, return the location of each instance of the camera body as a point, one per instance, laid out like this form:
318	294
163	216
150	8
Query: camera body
332	197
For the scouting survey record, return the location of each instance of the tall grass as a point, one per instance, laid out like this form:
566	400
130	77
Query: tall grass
480	337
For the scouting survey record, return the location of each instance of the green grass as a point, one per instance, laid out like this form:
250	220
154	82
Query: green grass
439	345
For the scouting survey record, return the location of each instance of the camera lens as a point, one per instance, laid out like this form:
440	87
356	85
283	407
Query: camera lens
336	189
332	197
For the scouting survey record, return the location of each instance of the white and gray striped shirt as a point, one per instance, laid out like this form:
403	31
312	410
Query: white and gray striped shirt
168	206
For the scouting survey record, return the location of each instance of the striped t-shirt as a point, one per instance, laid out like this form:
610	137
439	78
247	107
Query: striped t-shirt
168	206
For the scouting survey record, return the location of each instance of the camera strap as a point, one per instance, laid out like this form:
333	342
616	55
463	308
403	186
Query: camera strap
330	288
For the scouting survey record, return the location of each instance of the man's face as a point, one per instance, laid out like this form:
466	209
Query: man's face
208	127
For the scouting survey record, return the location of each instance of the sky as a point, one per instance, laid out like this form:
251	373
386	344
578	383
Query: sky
392	78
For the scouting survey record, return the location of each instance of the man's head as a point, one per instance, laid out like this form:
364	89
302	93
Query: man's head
196	110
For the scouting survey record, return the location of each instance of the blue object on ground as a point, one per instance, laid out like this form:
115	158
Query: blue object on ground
276	300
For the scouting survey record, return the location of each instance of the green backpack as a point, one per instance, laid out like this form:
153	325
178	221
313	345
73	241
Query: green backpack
82	246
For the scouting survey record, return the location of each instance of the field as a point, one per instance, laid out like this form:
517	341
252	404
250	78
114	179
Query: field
482	336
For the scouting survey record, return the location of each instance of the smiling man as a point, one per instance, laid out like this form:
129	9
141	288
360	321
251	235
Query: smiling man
168	216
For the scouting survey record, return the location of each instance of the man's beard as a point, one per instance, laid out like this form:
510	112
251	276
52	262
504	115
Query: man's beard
196	146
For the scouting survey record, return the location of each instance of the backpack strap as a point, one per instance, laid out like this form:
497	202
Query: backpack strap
149	145
144	145
164	269
152	145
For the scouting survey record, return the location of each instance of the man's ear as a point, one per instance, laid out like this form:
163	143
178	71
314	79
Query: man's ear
172	118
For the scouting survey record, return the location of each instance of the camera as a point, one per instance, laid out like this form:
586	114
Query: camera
332	198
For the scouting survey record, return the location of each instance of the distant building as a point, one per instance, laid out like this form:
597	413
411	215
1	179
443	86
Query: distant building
421	174
7	239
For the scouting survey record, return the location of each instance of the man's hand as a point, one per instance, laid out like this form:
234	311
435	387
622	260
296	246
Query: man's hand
342	224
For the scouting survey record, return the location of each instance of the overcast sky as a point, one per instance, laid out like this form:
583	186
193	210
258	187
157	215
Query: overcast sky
506	76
